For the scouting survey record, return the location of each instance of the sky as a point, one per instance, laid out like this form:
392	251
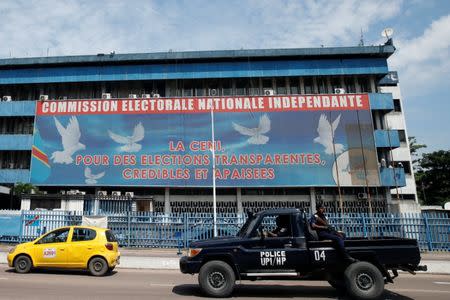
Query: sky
421	35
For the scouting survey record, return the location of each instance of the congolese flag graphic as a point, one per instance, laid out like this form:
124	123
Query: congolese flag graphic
39	160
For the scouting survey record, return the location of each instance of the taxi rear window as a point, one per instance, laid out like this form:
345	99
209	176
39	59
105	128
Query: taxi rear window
110	237
83	234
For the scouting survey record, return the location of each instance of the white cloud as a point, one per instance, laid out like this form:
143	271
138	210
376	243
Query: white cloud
424	61
89	27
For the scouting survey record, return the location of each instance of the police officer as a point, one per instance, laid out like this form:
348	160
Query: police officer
282	227
325	231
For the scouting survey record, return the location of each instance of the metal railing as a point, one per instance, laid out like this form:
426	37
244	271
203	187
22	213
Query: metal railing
159	230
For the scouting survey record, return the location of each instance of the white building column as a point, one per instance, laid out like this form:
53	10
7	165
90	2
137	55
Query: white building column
240	209
312	193
25	204
167	209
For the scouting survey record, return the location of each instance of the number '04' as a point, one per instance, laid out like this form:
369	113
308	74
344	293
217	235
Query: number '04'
319	255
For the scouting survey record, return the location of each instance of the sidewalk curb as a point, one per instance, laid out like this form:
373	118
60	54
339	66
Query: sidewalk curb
441	267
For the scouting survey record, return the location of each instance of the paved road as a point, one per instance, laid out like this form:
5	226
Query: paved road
167	284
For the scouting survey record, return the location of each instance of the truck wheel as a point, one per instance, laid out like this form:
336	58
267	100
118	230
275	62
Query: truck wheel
363	281
98	266
216	279
22	264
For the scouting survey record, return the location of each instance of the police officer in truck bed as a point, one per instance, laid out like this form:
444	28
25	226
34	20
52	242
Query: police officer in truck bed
325	231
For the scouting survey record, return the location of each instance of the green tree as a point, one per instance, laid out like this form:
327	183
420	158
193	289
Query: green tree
24	188
433	178
414	148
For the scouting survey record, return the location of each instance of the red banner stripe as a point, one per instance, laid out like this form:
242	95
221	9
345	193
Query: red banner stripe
205	104
40	155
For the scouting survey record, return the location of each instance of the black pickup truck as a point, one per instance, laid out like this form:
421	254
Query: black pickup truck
252	255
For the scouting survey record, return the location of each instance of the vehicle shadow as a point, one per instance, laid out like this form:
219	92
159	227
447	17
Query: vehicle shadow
279	291
60	272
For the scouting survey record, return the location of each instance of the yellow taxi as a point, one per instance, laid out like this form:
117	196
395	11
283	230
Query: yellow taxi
72	247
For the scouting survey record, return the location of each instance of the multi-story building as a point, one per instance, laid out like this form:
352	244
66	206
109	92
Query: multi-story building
292	127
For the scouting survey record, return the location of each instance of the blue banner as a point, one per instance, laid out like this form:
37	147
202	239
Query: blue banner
256	147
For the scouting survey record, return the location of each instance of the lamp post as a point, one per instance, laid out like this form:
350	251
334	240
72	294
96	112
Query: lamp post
213	151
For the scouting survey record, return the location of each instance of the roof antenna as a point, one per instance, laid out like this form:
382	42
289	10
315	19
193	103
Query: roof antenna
361	39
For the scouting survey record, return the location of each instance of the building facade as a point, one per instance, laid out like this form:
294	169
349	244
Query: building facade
280	91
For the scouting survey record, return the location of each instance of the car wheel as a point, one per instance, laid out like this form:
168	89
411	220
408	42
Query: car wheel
111	269
98	266
22	264
363	281
216	279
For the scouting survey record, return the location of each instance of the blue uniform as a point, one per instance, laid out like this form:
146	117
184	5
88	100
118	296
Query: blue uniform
325	234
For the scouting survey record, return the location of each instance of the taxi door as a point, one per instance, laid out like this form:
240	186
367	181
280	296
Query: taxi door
81	247
51	249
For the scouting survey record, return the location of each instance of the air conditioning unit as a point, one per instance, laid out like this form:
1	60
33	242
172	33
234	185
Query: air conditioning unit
268	92
7	98
72	192
129	194
213	92
81	193
132	96
43	97
146	96
156	96
339	91
362	196
63	192
102	193
106	95
116	193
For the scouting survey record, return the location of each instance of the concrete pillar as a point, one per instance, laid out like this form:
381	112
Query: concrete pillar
373	87
240	209
167	209
302	86
312	193
25	204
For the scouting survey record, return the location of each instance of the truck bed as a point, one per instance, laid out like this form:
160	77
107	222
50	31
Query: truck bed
389	251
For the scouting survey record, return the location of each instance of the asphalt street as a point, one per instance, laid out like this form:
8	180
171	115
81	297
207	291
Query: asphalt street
170	284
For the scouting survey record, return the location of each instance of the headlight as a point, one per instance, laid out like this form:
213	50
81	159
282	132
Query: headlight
12	249
194	251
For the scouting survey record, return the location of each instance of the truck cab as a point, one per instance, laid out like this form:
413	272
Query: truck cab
257	252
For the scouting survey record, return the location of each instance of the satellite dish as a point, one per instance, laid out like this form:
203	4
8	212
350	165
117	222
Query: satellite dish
387	33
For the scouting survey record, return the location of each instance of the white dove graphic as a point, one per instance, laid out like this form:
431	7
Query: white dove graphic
257	136
92	178
326	132
70	137
129	141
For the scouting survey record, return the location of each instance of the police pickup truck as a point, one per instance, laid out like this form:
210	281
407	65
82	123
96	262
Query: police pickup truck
254	255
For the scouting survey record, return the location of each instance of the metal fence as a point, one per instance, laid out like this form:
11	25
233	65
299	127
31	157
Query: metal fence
158	230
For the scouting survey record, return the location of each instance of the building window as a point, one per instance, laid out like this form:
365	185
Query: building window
349	83
405	165
241	86
254	87
402	136
322	85
309	85
294	85
364	85
227	87
281	86
335	83
397	106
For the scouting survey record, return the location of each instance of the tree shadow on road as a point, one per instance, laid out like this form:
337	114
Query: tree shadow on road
279	291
